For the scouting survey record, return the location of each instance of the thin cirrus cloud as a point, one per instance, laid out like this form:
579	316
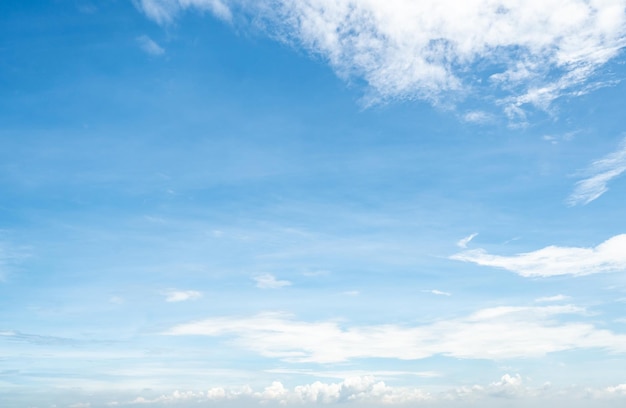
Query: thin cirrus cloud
496	333
555	298
462	243
269	281
609	256
149	46
182	295
438	292
405	49
600	173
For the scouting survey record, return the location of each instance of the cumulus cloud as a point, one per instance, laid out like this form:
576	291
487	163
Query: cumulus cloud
430	49
609	256
269	281
182	295
600	173
149	46
495	333
368	390
464	241
364	389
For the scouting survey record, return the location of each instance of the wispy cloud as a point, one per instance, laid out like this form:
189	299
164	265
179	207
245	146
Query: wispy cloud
406	49
181	295
555	298
495	333
149	46
165	11
478	117
609	256
438	292
462	243
600	173
269	281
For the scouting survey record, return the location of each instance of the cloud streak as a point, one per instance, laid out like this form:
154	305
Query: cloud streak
464	241
600	173
269	281
182	295
432	49
495	334
609	256
149	46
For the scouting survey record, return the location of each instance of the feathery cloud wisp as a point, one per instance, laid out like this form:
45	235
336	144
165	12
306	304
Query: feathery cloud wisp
462	243
405	49
149	46
609	256
601	172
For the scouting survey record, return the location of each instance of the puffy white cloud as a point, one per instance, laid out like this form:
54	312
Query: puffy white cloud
269	281
149	46
609	256
600	173
495	333
428	49
369	390
182	295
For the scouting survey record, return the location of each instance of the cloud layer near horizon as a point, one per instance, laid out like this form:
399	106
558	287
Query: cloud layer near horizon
496	333
423	50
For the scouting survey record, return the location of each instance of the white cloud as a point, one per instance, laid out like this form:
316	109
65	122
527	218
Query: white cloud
478	117
438	292
165	11
555	298
609	256
464	241
496	333
182	295
268	281
149	46
600	173
406	49
368	390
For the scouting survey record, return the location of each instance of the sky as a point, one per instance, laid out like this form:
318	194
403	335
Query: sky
368	203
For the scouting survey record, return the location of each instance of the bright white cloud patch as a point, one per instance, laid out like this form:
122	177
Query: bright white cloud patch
182	295
149	46
600	173
609	256
269	281
425	49
496	333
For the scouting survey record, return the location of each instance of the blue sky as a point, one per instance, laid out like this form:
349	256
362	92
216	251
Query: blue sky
234	203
